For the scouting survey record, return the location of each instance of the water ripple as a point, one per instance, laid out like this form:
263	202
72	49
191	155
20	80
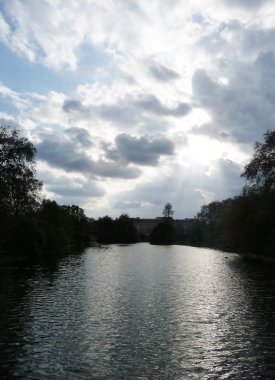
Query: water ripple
138	312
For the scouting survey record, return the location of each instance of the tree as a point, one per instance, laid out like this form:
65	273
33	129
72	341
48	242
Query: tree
168	211
163	233
124	230
19	189
260	172
105	230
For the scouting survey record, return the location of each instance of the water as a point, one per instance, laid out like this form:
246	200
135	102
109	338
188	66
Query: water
138	312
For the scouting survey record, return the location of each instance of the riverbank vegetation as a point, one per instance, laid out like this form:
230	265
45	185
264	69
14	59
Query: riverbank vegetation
245	223
32	226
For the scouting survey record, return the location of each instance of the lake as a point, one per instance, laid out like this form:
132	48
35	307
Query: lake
138	312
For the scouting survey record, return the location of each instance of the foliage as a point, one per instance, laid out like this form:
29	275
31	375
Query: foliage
260	172
62	226
124	230
120	230
163	233
168	211
247	222
27	237
104	230
27	226
19	189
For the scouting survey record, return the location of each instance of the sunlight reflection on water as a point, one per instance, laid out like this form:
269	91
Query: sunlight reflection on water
139	312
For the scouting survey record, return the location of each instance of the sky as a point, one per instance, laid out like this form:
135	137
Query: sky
133	104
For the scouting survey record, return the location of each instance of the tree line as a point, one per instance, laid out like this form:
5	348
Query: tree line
245	223
31	225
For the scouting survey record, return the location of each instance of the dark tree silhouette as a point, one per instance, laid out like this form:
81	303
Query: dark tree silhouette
260	172
19	189
168	211
245	223
163	233
124	230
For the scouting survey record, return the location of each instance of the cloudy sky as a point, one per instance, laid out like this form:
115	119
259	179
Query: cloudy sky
135	103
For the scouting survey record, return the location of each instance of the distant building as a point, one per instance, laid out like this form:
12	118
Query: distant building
145	226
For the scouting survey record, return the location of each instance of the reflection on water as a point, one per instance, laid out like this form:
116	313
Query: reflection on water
139	312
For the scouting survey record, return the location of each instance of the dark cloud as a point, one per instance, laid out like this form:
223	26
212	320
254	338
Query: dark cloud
62	152
121	114
162	73
226	179
204	88
255	40
129	111
243	109
85	190
153	105
246	42
246	4
142	150
70	105
80	136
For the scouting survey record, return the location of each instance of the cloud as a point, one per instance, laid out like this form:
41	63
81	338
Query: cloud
84	191
202	185
162	73
233	40
62	152
246	4
151	104
123	73
243	109
124	109
143	150
130	111
126	205
80	136
73	105
68	189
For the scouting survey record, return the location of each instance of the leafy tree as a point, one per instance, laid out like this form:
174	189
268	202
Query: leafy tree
27	238
260	172
124	230
105	230
80	223
55	224
63	226
168	211
163	233
19	189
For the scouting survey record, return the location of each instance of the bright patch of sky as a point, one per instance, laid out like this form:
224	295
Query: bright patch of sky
135	104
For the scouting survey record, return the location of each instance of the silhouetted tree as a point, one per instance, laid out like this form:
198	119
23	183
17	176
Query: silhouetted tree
168	211
105	230
247	222
124	230
260	172
55	224
19	189
81	228
62	226
163	233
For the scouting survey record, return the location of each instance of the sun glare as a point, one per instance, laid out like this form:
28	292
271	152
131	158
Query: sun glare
203	150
